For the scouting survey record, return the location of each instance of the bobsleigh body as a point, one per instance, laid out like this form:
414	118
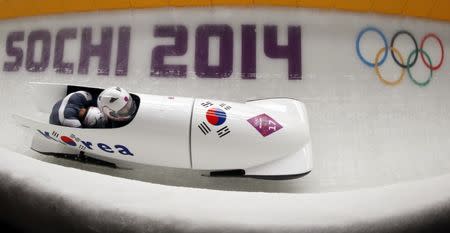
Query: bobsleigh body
267	138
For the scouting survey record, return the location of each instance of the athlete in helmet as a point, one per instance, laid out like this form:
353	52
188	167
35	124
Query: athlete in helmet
71	110
95	118
116	103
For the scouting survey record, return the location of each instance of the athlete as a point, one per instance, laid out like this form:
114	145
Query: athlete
74	111
116	103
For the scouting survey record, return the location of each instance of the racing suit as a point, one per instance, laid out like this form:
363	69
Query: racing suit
66	111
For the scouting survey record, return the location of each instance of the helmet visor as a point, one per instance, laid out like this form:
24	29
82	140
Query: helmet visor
125	113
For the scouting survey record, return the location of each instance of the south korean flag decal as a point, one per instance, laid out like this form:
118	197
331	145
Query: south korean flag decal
215	119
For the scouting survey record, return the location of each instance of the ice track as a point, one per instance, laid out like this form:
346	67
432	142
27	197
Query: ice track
381	154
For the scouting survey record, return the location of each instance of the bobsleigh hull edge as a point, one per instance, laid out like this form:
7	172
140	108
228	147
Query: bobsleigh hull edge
264	138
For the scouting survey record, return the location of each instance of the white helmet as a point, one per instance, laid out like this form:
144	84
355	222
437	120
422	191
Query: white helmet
95	118
116	103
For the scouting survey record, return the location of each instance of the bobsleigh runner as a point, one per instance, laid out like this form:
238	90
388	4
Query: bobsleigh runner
267	138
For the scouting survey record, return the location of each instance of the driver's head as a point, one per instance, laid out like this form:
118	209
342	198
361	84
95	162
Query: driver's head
116	103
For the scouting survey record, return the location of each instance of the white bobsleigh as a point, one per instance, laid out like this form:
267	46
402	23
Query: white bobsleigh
267	138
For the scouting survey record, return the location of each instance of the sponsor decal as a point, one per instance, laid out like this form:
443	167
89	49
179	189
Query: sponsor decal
265	124
84	145
404	62
34	50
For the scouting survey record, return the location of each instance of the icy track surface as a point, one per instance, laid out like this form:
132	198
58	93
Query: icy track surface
56	198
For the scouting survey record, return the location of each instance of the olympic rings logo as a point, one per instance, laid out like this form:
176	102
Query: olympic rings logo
398	58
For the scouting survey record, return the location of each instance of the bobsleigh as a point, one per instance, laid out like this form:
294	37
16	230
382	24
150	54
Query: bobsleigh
267	138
